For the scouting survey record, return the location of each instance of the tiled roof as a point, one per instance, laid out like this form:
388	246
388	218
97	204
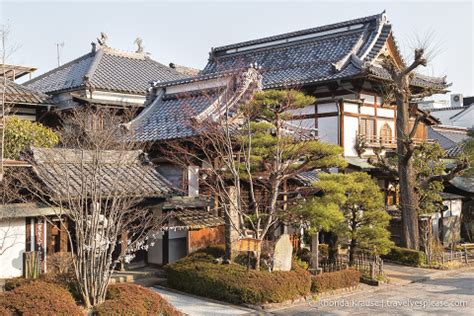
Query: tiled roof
455	151
188	71
464	183
197	219
106	69
326	53
171	114
17	94
309	177
447	138
65	171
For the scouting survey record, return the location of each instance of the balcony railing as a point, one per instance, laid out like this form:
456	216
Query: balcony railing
374	141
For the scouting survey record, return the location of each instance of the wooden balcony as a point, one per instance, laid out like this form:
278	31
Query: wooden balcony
373	141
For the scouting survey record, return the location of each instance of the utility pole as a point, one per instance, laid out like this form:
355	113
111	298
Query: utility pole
58	51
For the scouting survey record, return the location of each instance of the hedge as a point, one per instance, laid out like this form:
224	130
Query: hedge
198	274
406	256
131	299
39	298
334	280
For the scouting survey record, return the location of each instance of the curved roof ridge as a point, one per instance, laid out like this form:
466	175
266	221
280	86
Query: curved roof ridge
317	29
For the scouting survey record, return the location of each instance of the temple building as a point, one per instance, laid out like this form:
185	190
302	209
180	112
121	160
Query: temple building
104	77
340	64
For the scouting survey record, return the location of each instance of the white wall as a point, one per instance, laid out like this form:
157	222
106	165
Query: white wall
12	247
351	128
327	129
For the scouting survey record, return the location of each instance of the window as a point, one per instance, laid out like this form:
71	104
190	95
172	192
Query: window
367	127
386	133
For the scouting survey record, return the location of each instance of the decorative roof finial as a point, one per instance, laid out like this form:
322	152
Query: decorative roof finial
102	40
139	43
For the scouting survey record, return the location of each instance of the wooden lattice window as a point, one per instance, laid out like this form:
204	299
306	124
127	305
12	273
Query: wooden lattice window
386	133
366	127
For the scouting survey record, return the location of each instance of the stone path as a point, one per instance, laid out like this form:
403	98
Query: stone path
194	306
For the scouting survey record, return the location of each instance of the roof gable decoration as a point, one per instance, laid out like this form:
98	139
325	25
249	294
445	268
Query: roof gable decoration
175	107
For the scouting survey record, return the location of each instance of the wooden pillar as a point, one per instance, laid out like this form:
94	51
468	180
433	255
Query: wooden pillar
123	249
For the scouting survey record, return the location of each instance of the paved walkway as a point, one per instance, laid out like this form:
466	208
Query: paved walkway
195	306
439	293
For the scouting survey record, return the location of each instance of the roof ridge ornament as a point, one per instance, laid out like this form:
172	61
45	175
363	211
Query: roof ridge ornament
102	40
140	47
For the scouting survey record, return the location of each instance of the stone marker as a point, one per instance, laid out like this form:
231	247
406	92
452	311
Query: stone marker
282	254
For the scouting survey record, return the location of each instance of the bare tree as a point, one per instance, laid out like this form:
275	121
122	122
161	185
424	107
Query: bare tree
88	181
405	99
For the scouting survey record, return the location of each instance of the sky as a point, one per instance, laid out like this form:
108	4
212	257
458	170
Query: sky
183	32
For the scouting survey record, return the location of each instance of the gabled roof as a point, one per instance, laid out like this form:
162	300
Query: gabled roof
18	94
326	53
176	105
106	69
66	172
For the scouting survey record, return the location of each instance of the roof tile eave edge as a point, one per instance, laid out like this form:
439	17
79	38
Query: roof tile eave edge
298	33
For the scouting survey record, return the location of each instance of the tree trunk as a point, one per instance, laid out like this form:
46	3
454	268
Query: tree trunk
352	251
406	174
315	251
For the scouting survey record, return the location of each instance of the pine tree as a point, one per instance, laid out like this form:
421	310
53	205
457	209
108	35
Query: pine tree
361	202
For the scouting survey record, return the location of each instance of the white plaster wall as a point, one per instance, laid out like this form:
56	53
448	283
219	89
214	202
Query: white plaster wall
351	128
117	97
306	110
12	247
369	99
366	110
306	123
327	129
351	108
385	112
327	108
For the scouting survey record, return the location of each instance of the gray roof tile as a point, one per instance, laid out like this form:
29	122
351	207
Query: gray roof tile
330	52
106	69
170	116
64	171
18	94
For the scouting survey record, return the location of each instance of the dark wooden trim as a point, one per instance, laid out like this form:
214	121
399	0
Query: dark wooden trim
310	116
341	122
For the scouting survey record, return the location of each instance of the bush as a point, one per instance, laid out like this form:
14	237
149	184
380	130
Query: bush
215	251
131	299
11	284
406	256
39	298
334	280
198	274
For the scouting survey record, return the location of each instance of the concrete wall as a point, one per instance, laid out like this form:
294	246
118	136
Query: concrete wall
12	247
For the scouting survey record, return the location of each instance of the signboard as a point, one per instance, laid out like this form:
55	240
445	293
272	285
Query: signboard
248	244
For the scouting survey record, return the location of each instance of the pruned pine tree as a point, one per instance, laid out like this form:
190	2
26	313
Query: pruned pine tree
252	154
360	201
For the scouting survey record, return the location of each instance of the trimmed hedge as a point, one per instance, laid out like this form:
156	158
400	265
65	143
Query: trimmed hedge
406	256
334	280
39	298
197	274
131	299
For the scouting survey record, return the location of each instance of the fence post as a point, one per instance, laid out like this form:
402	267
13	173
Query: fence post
465	254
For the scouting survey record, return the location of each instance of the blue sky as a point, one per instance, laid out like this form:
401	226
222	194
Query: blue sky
184	31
